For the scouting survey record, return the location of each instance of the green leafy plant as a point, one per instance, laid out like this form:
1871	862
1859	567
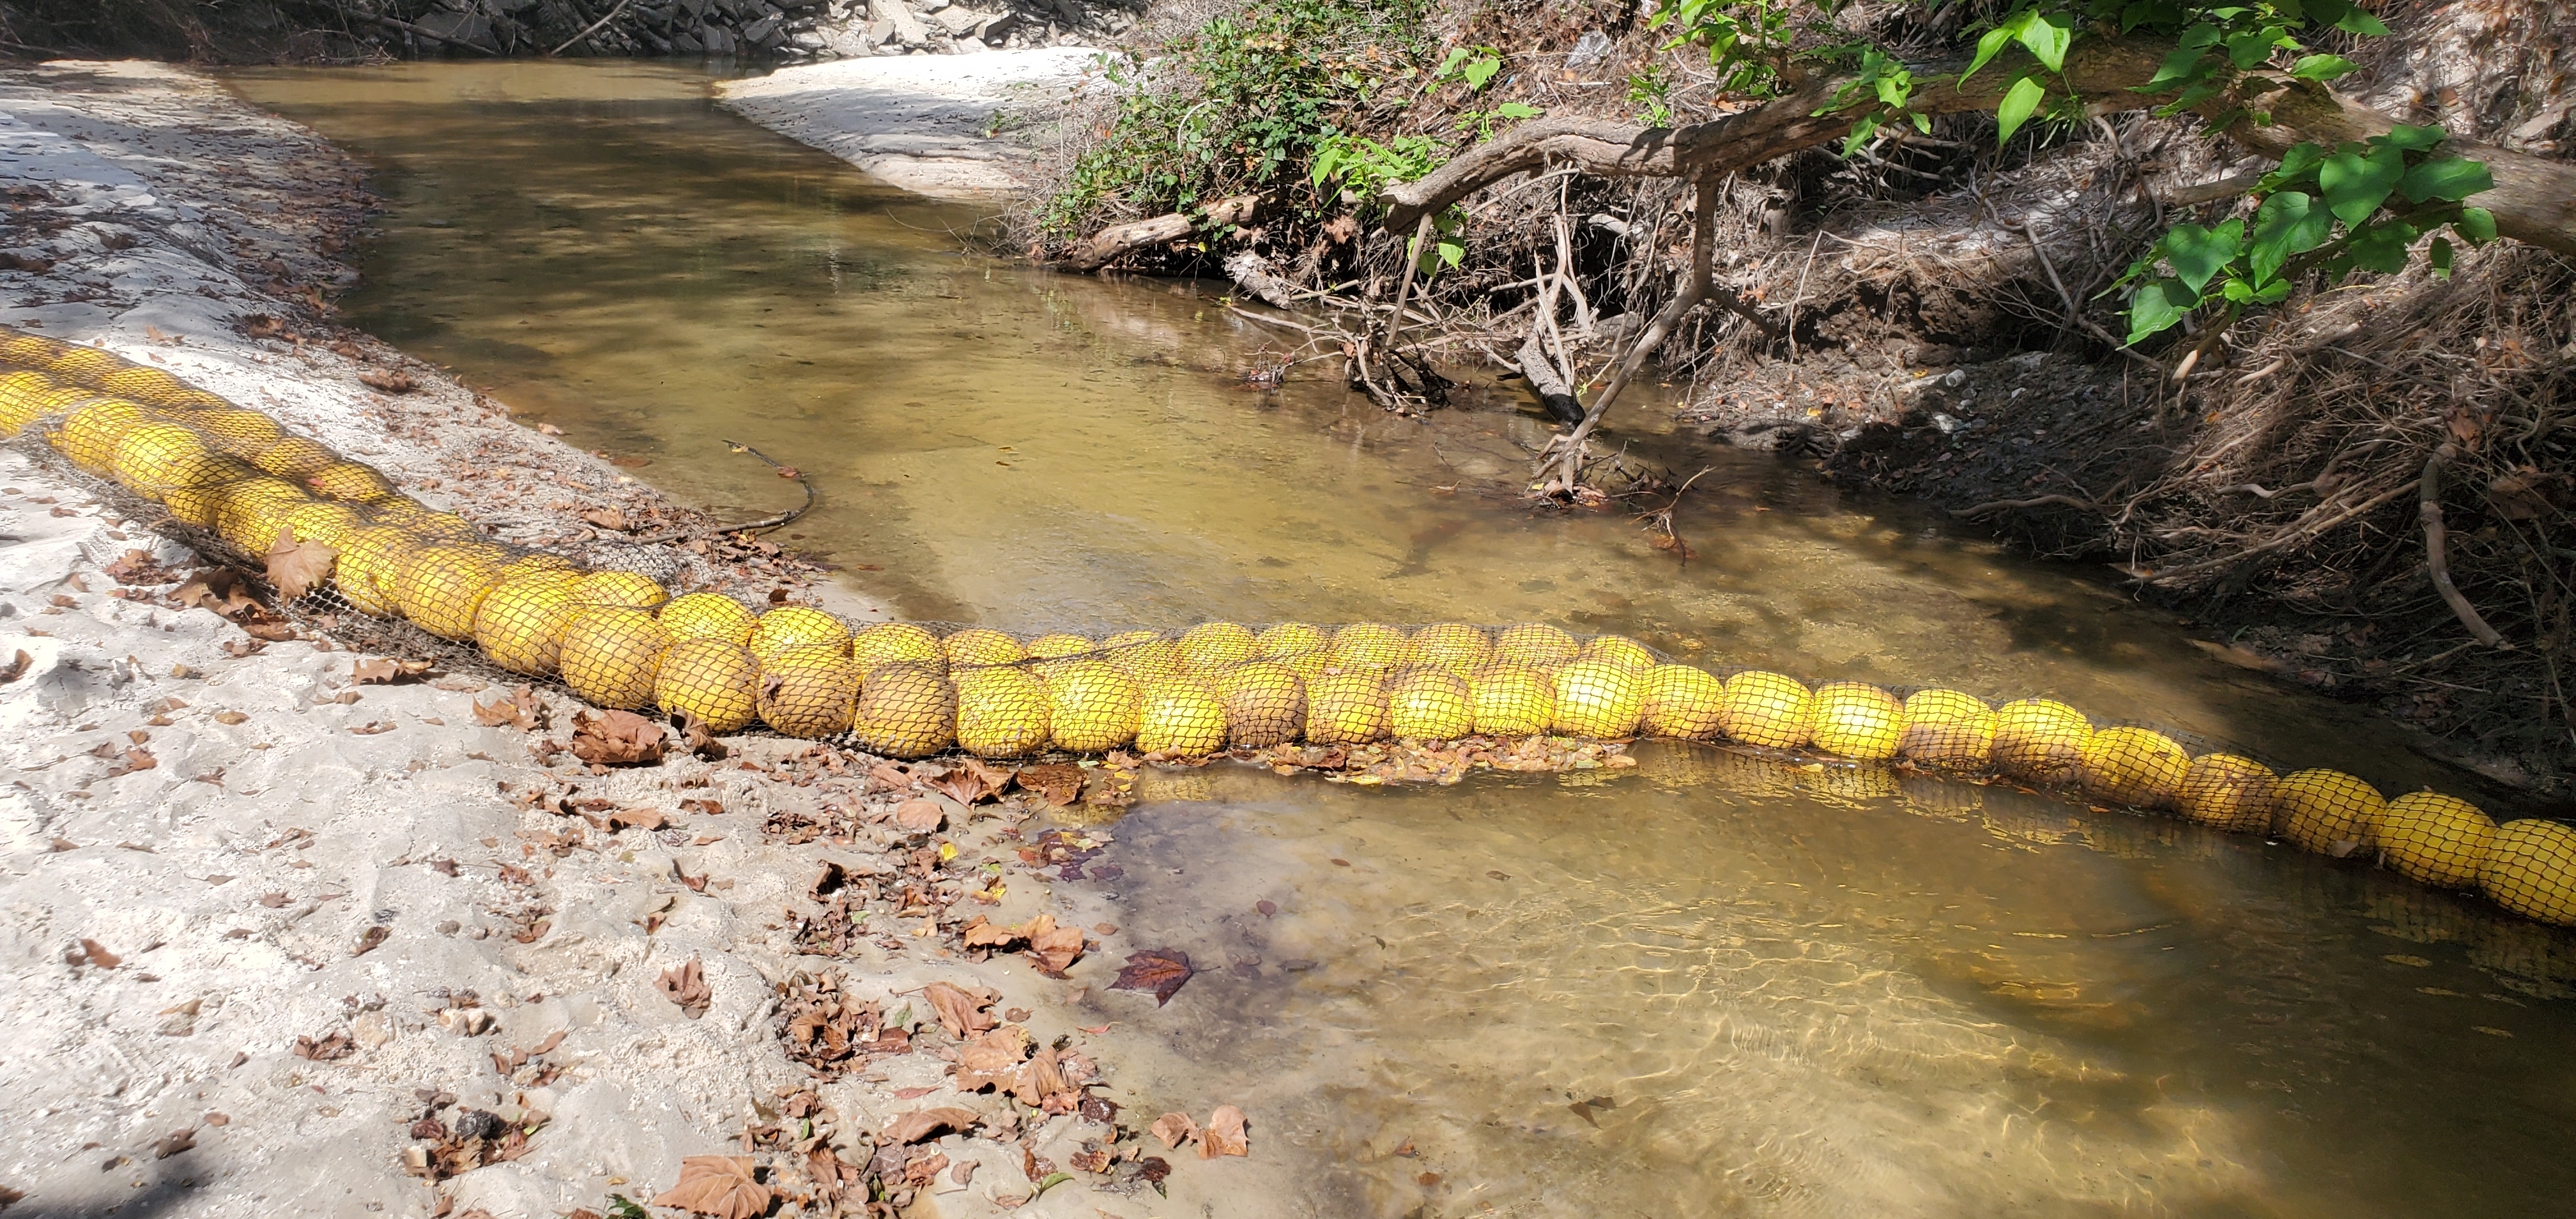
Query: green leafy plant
1750	42
1365	168
2356	207
1475	67
1650	90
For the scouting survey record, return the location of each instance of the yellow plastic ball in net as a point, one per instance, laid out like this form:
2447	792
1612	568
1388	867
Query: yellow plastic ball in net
1051	651
1369	647
1302	647
977	646
89	435
1091	706
320	521
2134	766
530	563
85	364
1682	701
2041	740
1535	646
1455	646
1768	709
794	626
1144	656
24	396
1345	709
1263	704
906	709
255	510
708	616
612	655
201	503
2227	792
350	481
452	527
1001	713
2531	870
630	589
295	458
1947	728
365	570
1619	650
809	691
1859	721
154	458
1181	716
895	643
238	432
144	384
2325	810
716	680
2435	839
441	587
1426	703
1211	646
400	510
522	621
1601	699
1512	700
29	350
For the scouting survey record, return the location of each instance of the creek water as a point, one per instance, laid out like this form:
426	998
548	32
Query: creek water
1710	985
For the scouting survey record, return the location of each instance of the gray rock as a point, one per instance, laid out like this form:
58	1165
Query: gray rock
463	27
762	33
719	40
687	43
959	20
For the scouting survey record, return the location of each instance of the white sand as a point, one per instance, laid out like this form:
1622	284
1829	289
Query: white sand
918	121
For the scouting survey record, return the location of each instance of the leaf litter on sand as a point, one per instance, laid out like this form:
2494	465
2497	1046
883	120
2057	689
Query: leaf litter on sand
686	985
616	738
722	1186
1051	948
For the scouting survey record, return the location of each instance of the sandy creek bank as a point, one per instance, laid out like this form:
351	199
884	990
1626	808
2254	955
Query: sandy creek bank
274	936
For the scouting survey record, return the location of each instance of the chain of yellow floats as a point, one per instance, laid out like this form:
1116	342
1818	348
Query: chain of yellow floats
620	640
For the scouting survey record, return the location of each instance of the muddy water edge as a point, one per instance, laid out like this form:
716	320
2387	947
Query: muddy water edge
1704	986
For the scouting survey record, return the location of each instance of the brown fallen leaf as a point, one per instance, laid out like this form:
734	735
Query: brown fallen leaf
991	1059
297	568
94	953
17	668
1059	782
1224	1135
335	1046
687	986
371	939
173	1143
230	718
610	519
695	737
616	738
272	900
721	1186
1175	1129
960	1013
270	632
1054	948
920	1124
389	381
919	816
963	785
1158	971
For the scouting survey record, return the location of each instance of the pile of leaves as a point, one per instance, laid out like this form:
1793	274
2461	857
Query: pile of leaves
450	1138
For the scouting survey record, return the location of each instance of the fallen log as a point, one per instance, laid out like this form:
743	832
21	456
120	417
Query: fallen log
1118	240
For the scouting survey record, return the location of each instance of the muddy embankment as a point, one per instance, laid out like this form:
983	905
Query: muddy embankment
290	929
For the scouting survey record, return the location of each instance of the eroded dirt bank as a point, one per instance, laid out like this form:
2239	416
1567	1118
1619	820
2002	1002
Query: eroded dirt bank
285	937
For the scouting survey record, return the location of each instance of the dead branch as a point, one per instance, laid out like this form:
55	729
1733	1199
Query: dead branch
2534	200
1569	461
2428	508
1119	240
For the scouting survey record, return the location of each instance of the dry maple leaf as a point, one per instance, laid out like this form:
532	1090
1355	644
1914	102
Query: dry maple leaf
1157	971
1053	948
923	1123
687	986
616	738
1041	1082
983	933
1175	1129
297	568
963	786
1224	1135
610	519
991	1059
960	1013
1059	782
717	1185
503	713
94	953
17	668
389	382
919	816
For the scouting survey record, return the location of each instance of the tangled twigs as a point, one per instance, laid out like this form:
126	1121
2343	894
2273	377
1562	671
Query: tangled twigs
2437	559
1568	458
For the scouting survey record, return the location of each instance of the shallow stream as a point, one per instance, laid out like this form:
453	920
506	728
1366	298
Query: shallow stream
1707	986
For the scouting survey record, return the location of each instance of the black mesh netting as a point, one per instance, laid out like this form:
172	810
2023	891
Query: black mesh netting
394	576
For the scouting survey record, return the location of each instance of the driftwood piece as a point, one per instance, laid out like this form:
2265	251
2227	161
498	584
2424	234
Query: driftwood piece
1118	240
1254	274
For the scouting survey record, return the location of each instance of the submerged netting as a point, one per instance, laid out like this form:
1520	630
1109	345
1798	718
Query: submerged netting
232	479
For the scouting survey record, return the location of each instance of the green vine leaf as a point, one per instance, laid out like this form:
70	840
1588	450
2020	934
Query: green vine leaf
2357	179
2197	254
2322	67
2019	101
2286	226
2449	179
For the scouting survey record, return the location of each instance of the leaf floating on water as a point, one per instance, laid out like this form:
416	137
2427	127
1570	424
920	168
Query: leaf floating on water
1059	782
1159	972
721	1186
919	816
